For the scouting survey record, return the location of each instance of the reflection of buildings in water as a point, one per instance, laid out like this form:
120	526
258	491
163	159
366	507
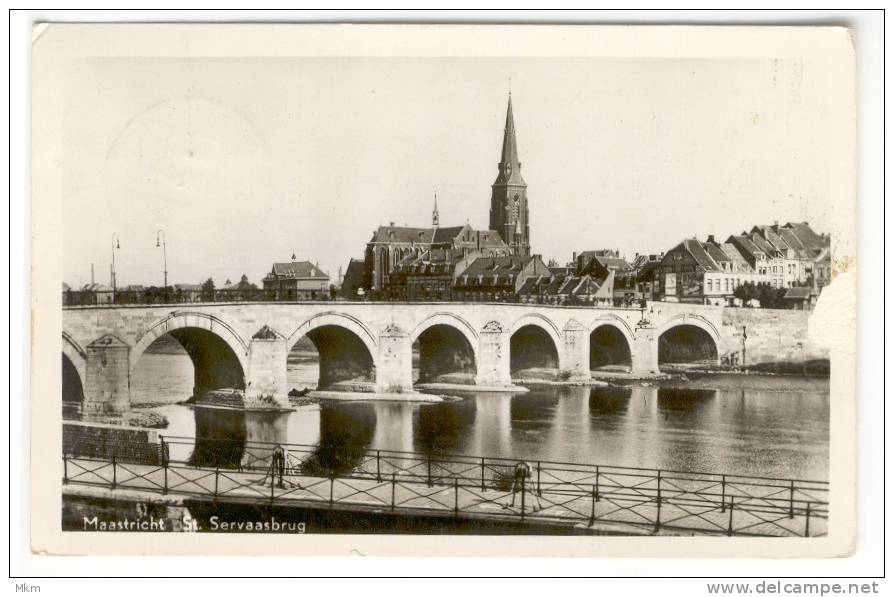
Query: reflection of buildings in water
220	437
491	432
444	427
394	426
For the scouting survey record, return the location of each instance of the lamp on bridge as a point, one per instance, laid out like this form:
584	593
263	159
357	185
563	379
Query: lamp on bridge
161	241
116	245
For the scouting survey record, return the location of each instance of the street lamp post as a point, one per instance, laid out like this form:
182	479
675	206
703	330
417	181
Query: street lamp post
161	241
116	245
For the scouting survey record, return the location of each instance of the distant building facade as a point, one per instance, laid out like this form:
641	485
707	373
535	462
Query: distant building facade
296	281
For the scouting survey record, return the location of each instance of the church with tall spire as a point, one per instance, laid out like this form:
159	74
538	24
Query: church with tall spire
396	254
509	214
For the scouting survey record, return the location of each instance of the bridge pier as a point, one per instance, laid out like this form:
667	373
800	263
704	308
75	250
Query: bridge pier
574	358
493	356
394	364
107	383
266	376
644	352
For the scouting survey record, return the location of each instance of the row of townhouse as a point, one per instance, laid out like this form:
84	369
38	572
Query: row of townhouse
791	257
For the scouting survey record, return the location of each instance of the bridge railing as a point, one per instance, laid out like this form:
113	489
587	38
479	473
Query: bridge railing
650	500
160	296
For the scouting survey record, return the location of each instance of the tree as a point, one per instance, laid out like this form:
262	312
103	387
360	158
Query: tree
745	292
244	284
768	296
208	290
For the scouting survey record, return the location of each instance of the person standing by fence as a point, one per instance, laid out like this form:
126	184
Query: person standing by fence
521	474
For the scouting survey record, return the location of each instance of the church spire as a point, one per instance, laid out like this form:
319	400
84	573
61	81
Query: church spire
509	167
509	194
434	214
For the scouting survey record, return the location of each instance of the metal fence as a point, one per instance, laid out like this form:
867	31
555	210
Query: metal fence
623	499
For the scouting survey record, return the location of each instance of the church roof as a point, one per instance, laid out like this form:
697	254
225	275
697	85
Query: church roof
402	234
445	235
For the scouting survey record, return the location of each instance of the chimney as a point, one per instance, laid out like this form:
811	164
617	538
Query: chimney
711	239
574	256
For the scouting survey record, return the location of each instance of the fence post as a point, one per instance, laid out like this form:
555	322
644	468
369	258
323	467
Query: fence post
596	485
807	521
723	493
217	477
393	486
523	498
428	462
114	471
455	495
658	512
593	505
164	464
378	468
729	530
331	489
64	468
791	499
538	480
482	474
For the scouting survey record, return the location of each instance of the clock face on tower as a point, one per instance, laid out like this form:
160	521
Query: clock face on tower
508	169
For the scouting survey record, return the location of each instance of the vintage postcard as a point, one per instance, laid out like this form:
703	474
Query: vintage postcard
443	290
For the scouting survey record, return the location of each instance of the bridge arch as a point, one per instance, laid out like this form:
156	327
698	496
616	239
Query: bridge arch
534	343
540	321
611	342
688	338
76	355
333	318
218	354
450	320
346	347
179	320
448	346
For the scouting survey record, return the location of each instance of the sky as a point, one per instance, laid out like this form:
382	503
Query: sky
243	162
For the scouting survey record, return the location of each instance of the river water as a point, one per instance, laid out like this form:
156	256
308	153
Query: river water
752	425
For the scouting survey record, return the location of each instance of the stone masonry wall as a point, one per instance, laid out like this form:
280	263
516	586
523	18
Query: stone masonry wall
101	441
773	335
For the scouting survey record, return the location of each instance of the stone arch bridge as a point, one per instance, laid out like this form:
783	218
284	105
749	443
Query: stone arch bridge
245	345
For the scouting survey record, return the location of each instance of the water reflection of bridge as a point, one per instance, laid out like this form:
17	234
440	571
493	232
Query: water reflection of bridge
634	425
245	346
